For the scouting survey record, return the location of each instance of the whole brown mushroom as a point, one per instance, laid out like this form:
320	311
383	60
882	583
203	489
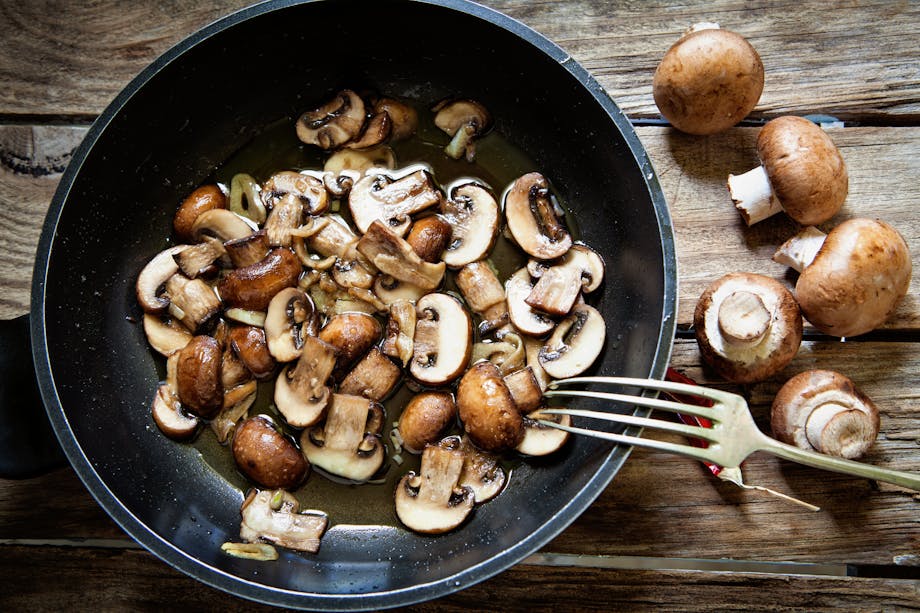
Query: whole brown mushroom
853	278
708	81
748	326
824	411
801	172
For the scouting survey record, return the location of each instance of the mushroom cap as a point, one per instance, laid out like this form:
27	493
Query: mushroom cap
530	211
266	456
857	279
708	81
805	169
758	357
824	411
486	408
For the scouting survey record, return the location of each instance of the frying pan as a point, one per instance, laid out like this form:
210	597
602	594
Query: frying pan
186	114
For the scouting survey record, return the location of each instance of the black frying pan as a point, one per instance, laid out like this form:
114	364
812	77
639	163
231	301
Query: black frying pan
189	112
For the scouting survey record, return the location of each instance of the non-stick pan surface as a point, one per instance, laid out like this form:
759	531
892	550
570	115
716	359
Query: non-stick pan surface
185	115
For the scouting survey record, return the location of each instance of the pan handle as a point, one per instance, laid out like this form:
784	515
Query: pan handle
28	446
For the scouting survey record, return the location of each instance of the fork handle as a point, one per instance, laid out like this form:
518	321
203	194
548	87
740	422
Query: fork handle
840	465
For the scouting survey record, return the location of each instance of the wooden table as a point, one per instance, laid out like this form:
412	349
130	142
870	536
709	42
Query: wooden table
665	534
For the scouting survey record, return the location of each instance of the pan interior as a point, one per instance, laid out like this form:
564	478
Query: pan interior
188	114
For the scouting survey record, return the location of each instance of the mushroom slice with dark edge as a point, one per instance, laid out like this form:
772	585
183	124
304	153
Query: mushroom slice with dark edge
821	410
464	121
352	273
193	302
432	501
150	286
233	370
237	402
481	471
530	210
166	337
443	339
399	340
394	256
403	117
858	275
506	352
201	260
391	290
300	187
748	326
529	321
170	416
342	446
267	456
253	287
392	199
334	123
474	218
251	345
374	377
525	389
480	286
425	418
285	216
575	344
248	249
198	376
532	349
221	223
581	270
540	439
203	199
376	130
490	417
301	390
801	172
274	516
290	319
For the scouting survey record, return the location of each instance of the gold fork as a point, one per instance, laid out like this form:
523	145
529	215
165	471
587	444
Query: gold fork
732	438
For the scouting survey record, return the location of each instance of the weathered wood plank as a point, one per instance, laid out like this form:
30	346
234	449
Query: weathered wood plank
68	58
49	578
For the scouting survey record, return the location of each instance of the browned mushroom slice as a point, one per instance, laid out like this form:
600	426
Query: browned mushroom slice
203	199
352	273
289	186
403	117
517	288
433	501
575	344
464	120
275	517
507	352
540	439
285	216
352	334
393	256
166	337
392	199
400	331
557	289
237	402
530	210
150	286
443	339
291	318
474	218
336	238
345	167
374	377
301	393
376	130
391	290
247	250
251	345
170	417
193	302
199	260
480	286
532	349
246	198
341	446
481	472
198	376
252	287
429	237
221	223
233	371
525	389
334	123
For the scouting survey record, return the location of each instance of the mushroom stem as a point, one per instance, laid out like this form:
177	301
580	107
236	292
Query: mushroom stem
836	429
743	318
753	196
799	251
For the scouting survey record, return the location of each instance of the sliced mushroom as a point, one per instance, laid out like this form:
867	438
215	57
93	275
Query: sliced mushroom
443	339
251	345
285	216
266	456
336	238
525	389
345	167
429	237
289	186
481	472
473	215
374	377
464	121
532	349
291	318
221	223
166	337
170	417
395	257
376	130
557	289
247	250
246	198
233	371
253	287
342	446
334	123
392	199
540	439
198	380
352	334
301	390
151	282
425	418
200	260
507	352
237	402
490	417
403	117
530	210
391	290
575	344
193	302
480	286
433	502
352	273
529	321
400	331
275	517
203	199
